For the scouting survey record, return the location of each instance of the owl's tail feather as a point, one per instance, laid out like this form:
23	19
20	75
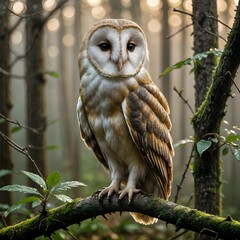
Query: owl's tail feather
143	219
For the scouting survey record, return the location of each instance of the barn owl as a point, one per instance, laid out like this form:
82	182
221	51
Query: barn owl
123	116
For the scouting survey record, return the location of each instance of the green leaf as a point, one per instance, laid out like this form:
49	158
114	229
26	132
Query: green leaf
15	129
29	199
67	185
20	188
177	65
36	178
232	138
237	154
59	236
4	172
53	179
53	122
214	140
4	206
36	203
225	151
52	74
216	51
53	147
203	145
196	58
11	209
182	142
63	198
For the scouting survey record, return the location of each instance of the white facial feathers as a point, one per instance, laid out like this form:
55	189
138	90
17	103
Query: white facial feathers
117	50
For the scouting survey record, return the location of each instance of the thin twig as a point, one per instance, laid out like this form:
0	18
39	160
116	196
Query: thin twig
21	150
73	237
189	200
6	73
215	35
13	28
224	24
58	6
179	186
184	100
211	17
3	219
180	30
229	73
38	131
27	51
183	12
21	15
207	230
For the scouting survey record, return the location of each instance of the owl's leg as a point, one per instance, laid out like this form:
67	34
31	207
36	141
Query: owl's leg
130	188
116	181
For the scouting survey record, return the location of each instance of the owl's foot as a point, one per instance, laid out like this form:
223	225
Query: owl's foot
108	191
128	191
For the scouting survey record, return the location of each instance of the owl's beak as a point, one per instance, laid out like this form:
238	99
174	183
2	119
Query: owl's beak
119	63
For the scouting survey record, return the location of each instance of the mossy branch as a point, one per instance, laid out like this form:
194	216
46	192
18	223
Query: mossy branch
210	114
90	207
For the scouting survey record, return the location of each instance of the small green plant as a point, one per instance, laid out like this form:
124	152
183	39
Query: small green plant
228	143
194	59
51	188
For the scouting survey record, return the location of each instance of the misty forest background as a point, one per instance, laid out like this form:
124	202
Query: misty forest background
169	35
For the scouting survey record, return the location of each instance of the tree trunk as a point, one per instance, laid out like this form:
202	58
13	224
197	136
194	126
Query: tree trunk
136	11
35	83
68	100
5	101
205	37
207	168
208	118
116	8
165	51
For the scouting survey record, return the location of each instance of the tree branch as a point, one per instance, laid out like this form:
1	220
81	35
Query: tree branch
90	207
35	130
21	150
211	112
49	15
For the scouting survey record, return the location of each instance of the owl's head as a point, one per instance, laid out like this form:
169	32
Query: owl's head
116	47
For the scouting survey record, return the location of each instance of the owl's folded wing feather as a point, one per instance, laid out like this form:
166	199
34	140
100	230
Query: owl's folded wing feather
87	134
147	116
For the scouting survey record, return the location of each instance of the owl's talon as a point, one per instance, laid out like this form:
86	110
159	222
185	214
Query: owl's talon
108	191
96	193
128	191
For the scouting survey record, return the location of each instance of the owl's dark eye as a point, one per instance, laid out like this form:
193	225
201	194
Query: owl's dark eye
131	46
105	46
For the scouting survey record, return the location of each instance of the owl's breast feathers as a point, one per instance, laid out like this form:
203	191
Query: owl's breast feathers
133	111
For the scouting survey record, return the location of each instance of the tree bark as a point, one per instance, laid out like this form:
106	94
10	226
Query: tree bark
35	83
207	167
165	51
205	37
207	122
82	209
5	101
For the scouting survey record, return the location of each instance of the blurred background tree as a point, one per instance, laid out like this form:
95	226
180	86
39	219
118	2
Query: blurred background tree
63	32
5	101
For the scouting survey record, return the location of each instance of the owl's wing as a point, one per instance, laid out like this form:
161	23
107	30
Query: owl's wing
87	134
147	116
